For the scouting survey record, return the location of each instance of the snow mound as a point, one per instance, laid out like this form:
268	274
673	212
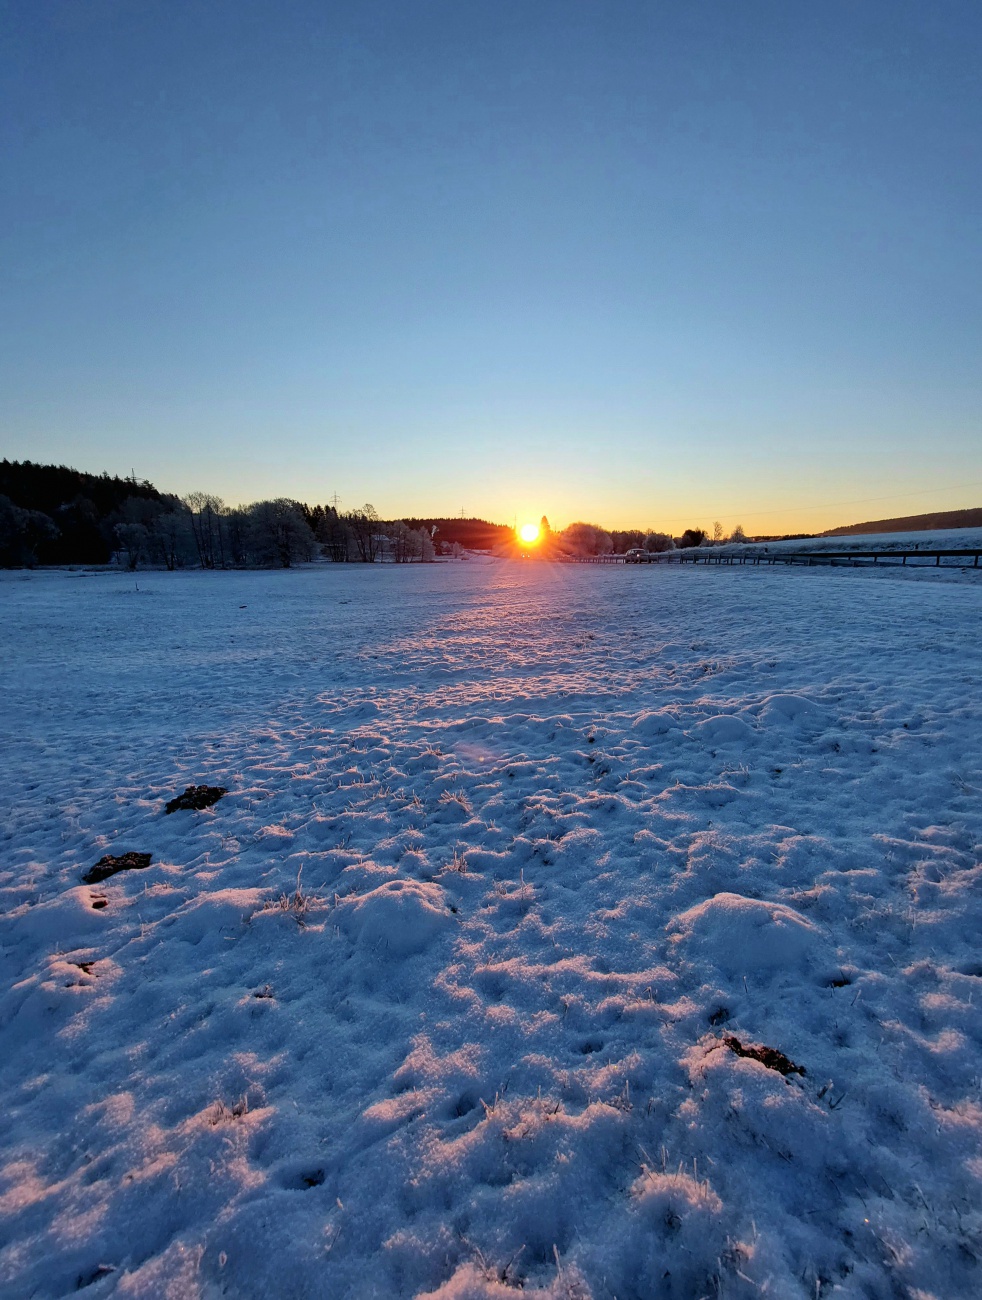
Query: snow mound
656	722
794	710
657	1196
69	919
724	729
472	1282
743	935
399	917
682	1233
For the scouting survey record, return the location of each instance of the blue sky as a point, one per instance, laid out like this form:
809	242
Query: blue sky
640	263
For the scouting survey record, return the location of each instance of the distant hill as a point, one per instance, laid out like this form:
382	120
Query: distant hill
913	523
472	534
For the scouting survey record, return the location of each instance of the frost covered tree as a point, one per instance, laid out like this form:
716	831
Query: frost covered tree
427	552
738	535
409	545
23	533
626	539
655	543
133	538
278	534
366	531
402	540
585	539
208	516
152	531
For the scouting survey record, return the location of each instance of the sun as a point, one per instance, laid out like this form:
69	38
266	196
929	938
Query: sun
529	533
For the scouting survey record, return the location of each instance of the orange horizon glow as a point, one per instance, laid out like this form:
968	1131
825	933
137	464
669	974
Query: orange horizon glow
529	534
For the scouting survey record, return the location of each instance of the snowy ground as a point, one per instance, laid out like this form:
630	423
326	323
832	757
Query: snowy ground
939	539
561	833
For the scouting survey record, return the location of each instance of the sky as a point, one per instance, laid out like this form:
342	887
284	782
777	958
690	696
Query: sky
644	264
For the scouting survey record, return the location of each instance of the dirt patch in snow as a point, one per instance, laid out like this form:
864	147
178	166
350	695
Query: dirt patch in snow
109	865
767	1056
195	798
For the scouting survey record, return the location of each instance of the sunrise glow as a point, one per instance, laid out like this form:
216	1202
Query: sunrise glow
529	533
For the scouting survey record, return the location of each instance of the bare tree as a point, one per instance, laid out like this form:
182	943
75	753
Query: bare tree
366	531
208	526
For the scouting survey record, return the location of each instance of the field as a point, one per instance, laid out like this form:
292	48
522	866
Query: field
936	539
596	932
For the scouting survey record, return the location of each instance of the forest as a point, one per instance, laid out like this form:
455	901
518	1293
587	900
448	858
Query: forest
54	515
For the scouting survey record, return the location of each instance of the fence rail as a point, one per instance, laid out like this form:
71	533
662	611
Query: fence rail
934	559
593	559
956	558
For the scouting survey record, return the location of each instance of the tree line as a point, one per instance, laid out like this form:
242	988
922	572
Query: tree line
50	514
585	540
55	515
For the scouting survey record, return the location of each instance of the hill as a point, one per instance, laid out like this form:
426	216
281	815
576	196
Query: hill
472	534
912	523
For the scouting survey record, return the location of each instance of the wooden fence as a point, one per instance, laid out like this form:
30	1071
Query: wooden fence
957	558
960	558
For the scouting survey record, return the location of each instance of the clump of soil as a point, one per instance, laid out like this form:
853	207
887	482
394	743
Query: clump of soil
767	1056
108	866
196	797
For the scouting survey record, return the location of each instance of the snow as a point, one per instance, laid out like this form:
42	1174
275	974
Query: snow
439	1000
929	540
398	918
751	937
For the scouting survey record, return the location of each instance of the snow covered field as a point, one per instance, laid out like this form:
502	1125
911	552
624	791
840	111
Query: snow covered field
574	845
939	539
